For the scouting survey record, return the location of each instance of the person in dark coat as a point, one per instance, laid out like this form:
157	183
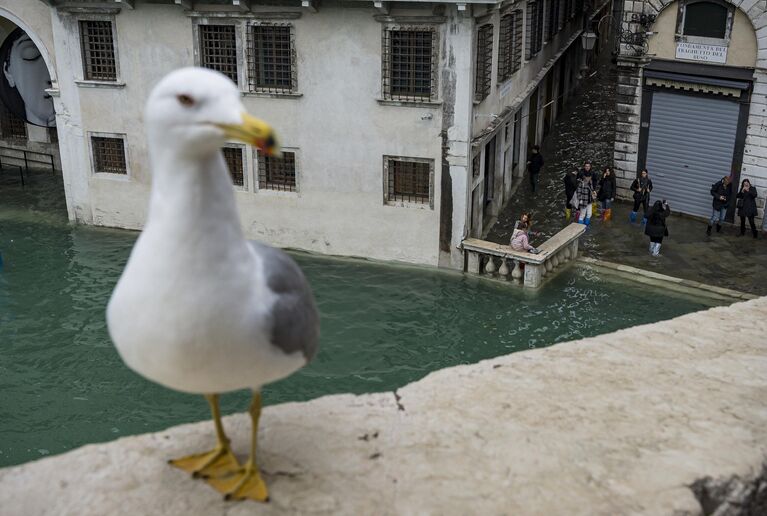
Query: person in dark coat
606	194
656	227
588	171
642	186
571	185
747	207
534	166
721	191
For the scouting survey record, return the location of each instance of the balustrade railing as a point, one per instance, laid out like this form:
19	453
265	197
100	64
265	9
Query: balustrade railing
505	263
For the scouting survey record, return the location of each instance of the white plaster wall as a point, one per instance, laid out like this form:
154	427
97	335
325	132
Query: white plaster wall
339	129
458	66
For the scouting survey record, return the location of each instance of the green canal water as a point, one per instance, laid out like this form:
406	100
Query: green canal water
63	385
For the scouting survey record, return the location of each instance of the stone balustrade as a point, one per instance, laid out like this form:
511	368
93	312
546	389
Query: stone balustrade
504	262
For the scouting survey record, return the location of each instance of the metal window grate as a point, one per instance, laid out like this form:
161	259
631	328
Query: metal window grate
218	49
97	43
235	164
108	155
534	28
277	173
483	78
510	46
562	11
577	7
271	58
409	181
11	126
552	19
409	63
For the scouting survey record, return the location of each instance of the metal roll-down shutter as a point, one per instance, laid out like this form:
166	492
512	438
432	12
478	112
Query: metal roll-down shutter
690	145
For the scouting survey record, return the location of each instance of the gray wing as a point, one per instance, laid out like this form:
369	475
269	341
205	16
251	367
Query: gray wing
295	321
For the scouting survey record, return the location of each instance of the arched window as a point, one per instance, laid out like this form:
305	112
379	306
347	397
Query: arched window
705	19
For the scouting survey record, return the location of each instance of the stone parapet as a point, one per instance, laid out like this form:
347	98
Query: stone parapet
644	421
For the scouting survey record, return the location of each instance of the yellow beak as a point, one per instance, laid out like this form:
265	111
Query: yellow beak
254	132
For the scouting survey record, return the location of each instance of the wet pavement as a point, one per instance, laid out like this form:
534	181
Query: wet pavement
586	130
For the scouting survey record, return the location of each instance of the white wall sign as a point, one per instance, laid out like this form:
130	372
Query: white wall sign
701	52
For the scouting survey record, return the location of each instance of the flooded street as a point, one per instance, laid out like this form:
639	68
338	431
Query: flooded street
586	131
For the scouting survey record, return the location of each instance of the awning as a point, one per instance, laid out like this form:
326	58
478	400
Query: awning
699	83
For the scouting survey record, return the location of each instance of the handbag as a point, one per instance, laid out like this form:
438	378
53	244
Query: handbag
739	204
574	200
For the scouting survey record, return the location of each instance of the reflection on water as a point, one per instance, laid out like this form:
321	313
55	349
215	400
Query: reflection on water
63	384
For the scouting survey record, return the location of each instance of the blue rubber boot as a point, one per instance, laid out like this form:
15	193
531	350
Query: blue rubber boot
633	217
644	220
587	221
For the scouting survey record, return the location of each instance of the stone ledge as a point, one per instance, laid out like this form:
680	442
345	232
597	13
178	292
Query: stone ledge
623	423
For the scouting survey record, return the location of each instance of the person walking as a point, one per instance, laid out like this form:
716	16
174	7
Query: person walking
606	194
747	207
656	227
585	194
534	166
642	186
721	191
571	185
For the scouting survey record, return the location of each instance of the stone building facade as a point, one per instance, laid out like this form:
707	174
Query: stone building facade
403	124
692	99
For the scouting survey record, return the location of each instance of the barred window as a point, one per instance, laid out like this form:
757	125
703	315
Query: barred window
271	58
408	180
552	19
235	164
97	44
577	7
409	63
108	155
277	173
484	62
510	47
564	9
11	126
534	28
218	49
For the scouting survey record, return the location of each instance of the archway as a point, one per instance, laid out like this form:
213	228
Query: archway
30	163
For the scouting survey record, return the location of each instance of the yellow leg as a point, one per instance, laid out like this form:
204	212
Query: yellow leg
246	483
220	460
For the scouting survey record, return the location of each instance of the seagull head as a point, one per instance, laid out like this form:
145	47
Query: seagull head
199	110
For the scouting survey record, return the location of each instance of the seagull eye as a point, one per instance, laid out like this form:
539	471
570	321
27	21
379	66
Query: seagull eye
185	100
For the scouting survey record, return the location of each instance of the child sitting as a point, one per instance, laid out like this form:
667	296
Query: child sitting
519	240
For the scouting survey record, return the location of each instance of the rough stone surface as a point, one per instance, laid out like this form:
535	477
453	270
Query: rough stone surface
624	423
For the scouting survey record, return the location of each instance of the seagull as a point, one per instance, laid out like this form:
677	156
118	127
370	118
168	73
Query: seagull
199	308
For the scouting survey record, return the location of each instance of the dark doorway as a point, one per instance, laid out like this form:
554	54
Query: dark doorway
548	110
561	87
489	175
532	121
